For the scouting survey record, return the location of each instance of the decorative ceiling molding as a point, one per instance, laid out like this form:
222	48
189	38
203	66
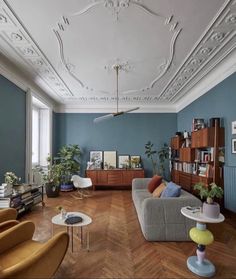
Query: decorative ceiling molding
100	109
153	81
215	38
21	42
221	71
117	5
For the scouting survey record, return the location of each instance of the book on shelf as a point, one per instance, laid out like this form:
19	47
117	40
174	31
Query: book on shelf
5	202
26	195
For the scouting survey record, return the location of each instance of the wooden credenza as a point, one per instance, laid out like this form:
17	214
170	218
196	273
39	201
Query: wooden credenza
115	177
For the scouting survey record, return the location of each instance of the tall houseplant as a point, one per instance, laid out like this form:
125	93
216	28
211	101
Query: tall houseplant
162	154
52	178
69	156
209	192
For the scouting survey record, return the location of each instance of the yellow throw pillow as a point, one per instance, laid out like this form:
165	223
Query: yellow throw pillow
157	192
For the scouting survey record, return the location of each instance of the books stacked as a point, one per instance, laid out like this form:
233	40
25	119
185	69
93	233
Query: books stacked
5	202
5	190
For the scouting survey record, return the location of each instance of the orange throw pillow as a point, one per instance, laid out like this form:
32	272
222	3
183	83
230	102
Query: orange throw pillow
154	183
157	192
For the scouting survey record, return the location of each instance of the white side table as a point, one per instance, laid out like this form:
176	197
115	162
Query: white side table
200	235
86	220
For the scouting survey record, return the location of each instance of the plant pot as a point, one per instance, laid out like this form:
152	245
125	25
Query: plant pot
211	210
66	187
52	191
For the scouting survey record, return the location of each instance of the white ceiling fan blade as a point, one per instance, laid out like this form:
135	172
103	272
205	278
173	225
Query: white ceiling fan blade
129	110
104	117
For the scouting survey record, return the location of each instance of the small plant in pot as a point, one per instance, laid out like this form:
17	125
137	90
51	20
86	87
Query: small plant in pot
210	208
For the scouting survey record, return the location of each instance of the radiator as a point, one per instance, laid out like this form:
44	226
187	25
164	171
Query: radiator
230	188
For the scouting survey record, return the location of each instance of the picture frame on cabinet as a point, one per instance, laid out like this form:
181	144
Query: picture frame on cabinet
234	128
96	157
135	161
123	161
109	160
234	146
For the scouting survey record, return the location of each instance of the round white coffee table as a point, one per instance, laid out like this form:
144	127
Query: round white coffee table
200	235
86	220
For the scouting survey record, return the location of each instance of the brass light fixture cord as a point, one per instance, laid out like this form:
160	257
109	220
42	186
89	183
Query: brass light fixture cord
117	73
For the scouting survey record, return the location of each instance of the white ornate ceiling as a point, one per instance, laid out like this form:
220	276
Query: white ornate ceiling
68	48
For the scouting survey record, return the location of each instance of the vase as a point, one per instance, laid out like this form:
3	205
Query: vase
211	210
63	214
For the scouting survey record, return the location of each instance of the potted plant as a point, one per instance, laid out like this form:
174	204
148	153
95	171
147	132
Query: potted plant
11	178
209	192
69	160
52	178
154	155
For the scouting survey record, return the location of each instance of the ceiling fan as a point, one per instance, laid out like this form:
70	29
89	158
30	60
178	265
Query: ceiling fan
116	67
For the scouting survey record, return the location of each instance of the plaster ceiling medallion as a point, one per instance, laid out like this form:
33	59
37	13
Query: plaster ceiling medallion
75	47
219	35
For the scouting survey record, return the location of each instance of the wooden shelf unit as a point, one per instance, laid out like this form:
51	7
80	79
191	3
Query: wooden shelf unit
114	177
25	197
182	166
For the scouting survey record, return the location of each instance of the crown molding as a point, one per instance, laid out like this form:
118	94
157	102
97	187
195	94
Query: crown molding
218	35
221	71
77	109
13	74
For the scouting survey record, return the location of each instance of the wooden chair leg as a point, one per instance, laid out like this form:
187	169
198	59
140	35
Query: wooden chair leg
80	197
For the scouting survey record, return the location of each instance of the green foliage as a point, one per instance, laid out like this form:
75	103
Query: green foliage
209	192
155	155
52	175
163	154
69	156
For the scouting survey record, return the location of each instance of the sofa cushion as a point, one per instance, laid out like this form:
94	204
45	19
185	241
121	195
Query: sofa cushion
171	190
154	183
157	192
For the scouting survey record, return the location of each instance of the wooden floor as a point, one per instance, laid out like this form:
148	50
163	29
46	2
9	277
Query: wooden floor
118	249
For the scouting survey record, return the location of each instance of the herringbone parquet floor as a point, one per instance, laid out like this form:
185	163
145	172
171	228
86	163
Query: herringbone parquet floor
118	249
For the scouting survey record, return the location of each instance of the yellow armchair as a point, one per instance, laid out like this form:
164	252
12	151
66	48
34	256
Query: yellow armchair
8	218
22	257
7	214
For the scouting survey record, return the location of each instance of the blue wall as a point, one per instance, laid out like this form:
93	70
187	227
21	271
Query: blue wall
218	102
12	129
126	134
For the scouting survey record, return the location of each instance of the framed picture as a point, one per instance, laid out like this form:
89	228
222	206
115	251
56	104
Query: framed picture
135	161
123	161
96	157
109	159
233	127
233	145
198	123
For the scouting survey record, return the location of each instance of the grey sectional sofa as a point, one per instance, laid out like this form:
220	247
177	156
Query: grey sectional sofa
160	218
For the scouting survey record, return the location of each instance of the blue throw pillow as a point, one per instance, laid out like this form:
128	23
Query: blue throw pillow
171	190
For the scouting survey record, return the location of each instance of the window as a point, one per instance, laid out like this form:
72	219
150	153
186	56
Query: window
35	136
40	132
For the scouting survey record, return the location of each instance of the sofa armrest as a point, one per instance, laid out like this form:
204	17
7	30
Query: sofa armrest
140	183
7	225
7	214
16	235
